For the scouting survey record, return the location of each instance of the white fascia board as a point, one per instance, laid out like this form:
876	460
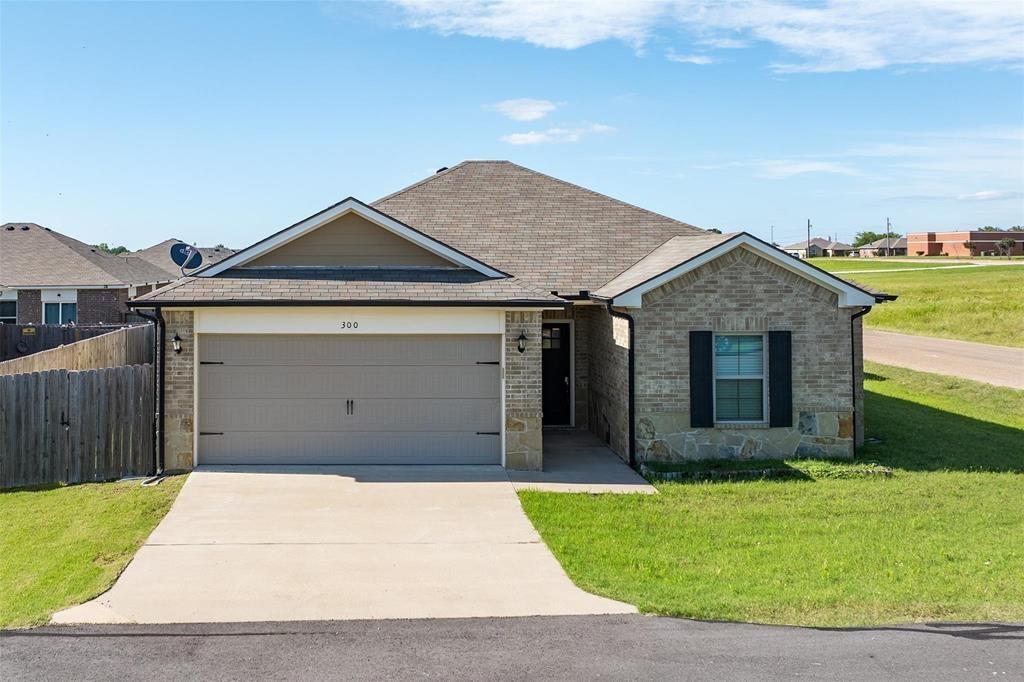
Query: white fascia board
849	295
348	206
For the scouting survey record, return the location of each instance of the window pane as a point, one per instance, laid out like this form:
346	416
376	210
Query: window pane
739	400
70	312
8	310
51	313
739	355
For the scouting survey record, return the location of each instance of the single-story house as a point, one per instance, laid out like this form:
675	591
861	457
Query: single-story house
963	242
886	246
454	320
815	248
839	249
50	278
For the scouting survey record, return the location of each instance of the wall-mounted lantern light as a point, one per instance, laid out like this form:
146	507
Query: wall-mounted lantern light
176	343
522	342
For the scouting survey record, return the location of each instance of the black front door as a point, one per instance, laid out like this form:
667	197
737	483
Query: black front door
555	353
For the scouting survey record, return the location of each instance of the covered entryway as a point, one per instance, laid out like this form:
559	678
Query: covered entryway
340	399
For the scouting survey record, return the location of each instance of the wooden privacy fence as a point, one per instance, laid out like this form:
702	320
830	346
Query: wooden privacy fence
19	340
62	426
125	346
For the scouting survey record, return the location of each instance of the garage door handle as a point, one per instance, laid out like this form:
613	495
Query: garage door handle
211	433
210	362
488	433
488	362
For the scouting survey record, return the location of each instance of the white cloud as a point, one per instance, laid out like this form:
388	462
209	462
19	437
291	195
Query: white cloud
524	109
831	35
557	134
778	169
989	195
699	59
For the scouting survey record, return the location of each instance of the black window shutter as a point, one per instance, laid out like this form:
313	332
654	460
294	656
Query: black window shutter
780	378
702	408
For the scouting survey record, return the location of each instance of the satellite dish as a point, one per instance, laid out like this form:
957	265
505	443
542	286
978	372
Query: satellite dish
185	256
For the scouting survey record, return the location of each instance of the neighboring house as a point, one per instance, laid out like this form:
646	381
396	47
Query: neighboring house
48	277
886	246
451	321
952	243
839	249
818	247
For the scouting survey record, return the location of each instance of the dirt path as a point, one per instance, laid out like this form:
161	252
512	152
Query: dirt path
999	365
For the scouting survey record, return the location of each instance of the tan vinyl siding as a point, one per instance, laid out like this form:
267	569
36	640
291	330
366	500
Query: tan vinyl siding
348	241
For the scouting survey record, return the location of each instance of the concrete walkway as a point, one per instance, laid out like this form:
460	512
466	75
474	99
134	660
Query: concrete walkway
338	543
577	462
999	365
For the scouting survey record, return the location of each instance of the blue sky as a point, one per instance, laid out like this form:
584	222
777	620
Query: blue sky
222	122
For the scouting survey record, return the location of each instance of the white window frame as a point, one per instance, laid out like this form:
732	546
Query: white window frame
60	297
764	378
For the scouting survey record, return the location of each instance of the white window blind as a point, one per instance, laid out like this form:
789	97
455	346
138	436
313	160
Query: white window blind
739	377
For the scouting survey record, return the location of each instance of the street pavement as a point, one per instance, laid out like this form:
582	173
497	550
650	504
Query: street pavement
999	365
552	647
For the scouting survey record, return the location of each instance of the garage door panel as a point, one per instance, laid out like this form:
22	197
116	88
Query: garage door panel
368	349
333	399
273	447
330	414
474	381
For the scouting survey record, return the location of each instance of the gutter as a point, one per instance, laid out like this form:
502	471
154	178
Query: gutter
159	340
398	303
630	379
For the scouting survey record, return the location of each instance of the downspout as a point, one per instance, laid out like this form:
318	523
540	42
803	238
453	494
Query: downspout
159	339
853	368
630	380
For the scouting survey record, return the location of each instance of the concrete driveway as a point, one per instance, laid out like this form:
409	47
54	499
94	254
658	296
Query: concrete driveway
315	543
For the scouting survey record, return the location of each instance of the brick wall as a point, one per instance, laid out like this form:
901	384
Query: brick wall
180	392
523	429
607	370
743	292
30	306
102	306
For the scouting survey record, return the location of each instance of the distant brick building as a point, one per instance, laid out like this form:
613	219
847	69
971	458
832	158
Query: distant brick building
952	243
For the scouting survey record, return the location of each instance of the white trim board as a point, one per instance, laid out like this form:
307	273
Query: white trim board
849	295
371	214
348	320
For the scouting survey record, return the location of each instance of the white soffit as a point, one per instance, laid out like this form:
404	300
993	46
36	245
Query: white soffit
349	205
849	295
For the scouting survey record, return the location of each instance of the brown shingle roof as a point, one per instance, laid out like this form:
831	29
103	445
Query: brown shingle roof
348	285
554	234
160	255
675	251
33	255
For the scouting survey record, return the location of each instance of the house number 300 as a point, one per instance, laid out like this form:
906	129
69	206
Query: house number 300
349	325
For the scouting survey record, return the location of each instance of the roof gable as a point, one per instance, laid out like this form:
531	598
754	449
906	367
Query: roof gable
377	239
628	288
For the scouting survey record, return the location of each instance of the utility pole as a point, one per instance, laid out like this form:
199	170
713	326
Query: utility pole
807	246
888	242
773	235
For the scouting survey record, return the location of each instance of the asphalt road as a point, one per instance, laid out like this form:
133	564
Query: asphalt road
552	647
999	365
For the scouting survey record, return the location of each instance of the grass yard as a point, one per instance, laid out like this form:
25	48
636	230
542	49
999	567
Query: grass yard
61	546
847	264
984	304
942	539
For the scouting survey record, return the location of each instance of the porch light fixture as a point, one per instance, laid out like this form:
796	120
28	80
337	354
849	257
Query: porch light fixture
176	343
522	342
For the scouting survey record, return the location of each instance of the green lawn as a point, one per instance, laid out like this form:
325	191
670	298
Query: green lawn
984	304
63	545
942	539
847	264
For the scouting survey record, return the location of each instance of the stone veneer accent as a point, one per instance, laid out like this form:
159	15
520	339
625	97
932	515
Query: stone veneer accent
102	306
743	292
523	425
179	399
30	306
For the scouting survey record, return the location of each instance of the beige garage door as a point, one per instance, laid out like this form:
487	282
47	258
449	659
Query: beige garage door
318	399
